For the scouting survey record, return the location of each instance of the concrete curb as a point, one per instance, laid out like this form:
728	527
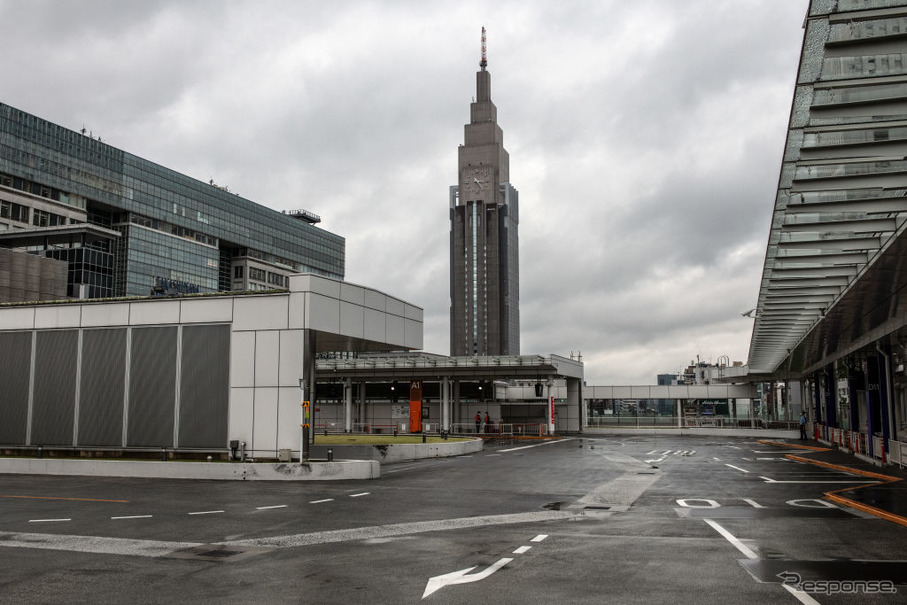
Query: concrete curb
218	471
400	452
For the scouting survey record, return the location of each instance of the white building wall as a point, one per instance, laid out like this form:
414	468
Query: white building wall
266	342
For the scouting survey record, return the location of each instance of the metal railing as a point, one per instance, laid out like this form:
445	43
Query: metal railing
687	422
508	429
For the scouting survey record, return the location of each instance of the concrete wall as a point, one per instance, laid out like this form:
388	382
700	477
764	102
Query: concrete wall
28	277
399	452
316	471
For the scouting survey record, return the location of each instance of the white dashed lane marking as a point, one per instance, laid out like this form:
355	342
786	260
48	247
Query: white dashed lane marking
199	512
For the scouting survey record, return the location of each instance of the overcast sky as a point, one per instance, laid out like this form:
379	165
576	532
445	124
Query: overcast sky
645	139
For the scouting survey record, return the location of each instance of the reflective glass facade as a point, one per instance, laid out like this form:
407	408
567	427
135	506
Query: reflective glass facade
173	227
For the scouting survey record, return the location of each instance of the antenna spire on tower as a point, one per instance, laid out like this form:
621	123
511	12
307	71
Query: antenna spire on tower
484	62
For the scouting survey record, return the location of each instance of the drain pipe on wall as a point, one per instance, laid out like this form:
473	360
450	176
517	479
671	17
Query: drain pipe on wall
891	423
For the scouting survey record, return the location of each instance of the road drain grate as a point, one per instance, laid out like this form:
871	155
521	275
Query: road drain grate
217	552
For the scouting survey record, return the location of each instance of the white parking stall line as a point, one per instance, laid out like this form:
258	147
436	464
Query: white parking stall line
749	554
270	507
736	468
207	512
539	538
752	503
321	501
47	520
521	550
361	494
743	548
133	517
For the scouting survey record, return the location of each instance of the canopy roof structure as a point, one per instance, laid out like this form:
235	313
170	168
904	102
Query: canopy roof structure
835	260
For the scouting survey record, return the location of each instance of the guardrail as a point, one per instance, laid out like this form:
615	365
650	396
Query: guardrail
509	429
858	442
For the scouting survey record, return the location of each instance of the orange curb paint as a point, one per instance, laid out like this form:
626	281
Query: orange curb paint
834	495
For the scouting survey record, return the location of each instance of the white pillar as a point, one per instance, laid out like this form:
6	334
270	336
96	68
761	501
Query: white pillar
445	405
549	413
361	415
348	407
457	415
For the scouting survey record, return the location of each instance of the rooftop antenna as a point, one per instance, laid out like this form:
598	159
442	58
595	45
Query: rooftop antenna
484	62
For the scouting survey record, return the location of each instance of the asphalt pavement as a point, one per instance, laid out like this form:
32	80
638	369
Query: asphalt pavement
616	519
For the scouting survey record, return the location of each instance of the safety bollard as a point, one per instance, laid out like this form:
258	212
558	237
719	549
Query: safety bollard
164	454
330	454
423	437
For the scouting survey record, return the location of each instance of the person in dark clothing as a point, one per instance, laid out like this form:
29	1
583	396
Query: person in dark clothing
478	421
803	426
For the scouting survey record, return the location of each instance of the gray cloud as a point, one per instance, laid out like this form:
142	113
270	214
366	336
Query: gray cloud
645	140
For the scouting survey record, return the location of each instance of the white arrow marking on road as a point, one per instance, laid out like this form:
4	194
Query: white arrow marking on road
461	577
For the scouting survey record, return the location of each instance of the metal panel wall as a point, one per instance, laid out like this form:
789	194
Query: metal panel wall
15	376
103	383
152	387
204	386
53	408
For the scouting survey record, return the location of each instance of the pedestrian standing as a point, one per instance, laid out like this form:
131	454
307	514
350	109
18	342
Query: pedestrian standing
803	426
487	423
478	420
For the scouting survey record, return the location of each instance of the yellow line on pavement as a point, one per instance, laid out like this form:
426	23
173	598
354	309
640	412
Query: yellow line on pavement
835	496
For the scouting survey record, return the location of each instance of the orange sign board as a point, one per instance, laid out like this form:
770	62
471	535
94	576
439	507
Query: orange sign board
415	406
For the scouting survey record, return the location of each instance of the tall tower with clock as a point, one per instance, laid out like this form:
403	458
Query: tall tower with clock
484	237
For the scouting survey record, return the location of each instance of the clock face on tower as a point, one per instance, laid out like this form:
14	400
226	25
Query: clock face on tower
477	179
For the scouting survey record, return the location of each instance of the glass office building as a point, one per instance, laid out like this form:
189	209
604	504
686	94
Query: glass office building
176	234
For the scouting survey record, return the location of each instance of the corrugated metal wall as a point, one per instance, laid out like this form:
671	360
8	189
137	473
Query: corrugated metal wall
148	392
152	387
53	407
15	377
204	386
103	384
